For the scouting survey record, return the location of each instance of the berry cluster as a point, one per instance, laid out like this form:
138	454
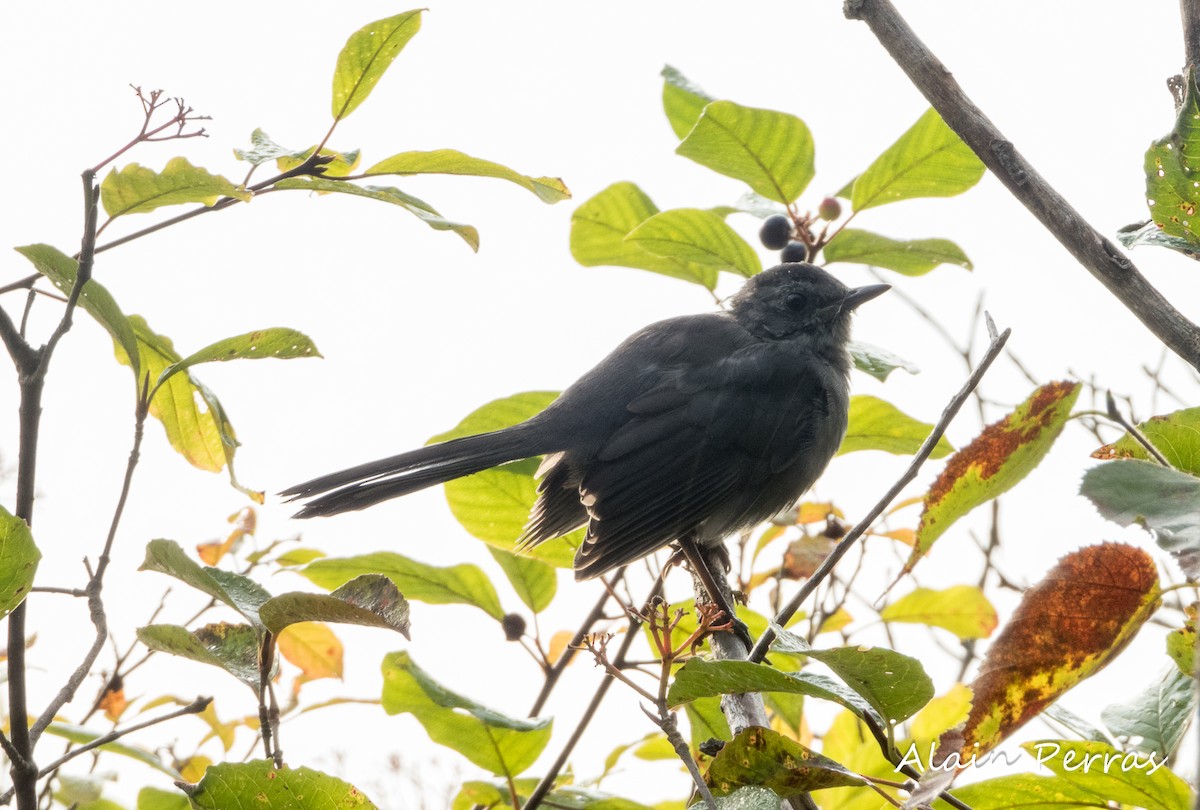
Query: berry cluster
780	231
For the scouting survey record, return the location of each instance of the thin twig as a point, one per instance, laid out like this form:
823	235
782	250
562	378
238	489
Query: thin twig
539	793
1114	413
556	671
1098	255
860	528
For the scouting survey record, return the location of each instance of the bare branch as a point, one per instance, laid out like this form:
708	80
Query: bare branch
1098	255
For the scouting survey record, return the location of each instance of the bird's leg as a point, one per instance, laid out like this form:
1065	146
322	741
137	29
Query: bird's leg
721	597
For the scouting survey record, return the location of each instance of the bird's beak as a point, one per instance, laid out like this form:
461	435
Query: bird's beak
860	295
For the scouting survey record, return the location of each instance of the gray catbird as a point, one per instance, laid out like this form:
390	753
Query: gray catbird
696	427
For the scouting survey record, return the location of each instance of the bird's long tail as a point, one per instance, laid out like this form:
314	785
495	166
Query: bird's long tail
376	481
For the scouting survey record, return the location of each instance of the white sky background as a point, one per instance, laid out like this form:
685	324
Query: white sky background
417	331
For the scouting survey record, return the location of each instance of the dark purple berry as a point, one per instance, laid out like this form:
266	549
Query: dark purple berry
775	232
514	626
829	209
794	252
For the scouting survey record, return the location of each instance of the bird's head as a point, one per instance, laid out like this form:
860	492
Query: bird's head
799	298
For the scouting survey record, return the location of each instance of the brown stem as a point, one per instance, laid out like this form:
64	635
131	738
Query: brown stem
547	783
1098	255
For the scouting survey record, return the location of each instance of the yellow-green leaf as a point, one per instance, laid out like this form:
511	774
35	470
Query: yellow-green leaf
1117	776
18	561
135	189
278	342
259	784
879	425
599	227
95	300
366	56
450	161
770	151
682	100
388	194
929	160
961	609
695	236
914	257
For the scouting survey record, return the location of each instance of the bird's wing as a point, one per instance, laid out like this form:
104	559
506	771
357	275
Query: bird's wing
703	443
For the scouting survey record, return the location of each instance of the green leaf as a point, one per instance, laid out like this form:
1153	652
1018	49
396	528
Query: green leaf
505	746
1181	645
238	592
1026	791
1175	435
895	685
152	798
534	581
1158	716
879	425
95	300
929	160
263	149
231	647
367	54
961	609
877	362
1154	497
258	784
682	100
493	505
706	721
762	757
770	151
694	236
450	161
191	415
915	257
1172	165
279	342
1112	774
599	228
699	678
18	561
994	462
370	600
463	584
135	189
388	194
82	735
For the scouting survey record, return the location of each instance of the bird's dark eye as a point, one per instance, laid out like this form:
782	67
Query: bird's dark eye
795	302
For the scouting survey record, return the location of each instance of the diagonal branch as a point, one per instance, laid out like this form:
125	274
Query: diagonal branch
860	527
1098	255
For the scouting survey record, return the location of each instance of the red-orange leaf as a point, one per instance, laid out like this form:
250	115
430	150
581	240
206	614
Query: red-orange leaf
1066	629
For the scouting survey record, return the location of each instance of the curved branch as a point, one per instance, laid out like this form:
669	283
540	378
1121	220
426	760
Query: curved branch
1098	255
